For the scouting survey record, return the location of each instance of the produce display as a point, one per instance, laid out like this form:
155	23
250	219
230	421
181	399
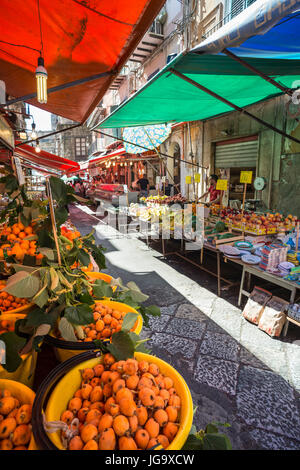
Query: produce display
15	422
18	241
124	405
6	325
164	200
106	322
260	224
9	302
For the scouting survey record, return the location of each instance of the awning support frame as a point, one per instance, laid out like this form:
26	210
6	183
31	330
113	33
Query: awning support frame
47	135
262	75
61	87
232	105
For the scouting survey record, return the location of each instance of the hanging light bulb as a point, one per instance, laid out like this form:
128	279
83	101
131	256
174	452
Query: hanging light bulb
23	135
41	81
33	133
37	147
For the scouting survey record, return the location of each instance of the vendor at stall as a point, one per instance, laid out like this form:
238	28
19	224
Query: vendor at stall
169	191
214	194
143	185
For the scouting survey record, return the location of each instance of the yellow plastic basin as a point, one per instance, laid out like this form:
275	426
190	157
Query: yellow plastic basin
64	354
22	372
65	389
25	396
25	309
105	277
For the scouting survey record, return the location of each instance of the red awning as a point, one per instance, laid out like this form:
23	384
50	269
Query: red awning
80	39
45	159
116	153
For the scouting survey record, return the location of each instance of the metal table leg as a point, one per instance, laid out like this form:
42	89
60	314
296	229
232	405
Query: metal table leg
219	273
241	286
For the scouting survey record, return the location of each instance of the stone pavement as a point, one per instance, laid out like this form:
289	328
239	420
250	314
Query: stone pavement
236	373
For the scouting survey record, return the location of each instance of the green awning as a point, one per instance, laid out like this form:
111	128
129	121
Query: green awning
168	98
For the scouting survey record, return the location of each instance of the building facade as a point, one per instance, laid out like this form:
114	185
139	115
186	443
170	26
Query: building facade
224	145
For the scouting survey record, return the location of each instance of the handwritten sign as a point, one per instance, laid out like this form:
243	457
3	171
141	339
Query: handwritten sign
246	177
188	180
222	185
197	178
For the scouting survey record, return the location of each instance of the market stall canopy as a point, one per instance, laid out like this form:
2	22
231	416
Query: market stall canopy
80	39
116	153
45	159
170	98
148	137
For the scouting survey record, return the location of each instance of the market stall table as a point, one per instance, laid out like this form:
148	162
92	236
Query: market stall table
256	271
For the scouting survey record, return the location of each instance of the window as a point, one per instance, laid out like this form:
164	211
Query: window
237	6
80	147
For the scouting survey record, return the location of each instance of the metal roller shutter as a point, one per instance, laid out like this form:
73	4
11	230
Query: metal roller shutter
240	154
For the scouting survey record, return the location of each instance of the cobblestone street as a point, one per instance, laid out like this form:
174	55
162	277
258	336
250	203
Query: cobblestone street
236	373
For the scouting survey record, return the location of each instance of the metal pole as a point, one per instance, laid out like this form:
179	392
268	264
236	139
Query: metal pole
232	105
60	87
286	90
48	135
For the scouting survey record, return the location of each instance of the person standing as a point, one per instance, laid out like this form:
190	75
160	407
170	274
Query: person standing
168	189
143	185
214	194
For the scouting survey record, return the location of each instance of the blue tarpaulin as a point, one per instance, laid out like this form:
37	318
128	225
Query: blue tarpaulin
268	28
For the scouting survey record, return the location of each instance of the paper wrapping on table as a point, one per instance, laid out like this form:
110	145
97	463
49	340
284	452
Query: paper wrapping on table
273	317
255	304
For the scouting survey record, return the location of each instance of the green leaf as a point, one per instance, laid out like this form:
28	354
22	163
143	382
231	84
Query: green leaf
153	310
54	279
139	344
84	257
11	183
86	299
22	329
216	442
211	429
97	254
122	346
136	293
13	344
29	260
21	267
101	289
39	317
193	443
67	330
129	321
23	284
47	252
42	297
45	239
61	215
58	189
80	314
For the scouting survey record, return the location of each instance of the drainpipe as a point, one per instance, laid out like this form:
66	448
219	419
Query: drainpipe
272	160
183	153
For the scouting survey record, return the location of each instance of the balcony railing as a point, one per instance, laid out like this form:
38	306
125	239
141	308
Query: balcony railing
236	7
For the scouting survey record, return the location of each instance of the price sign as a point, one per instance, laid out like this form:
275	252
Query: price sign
163	179
246	177
188	180
197	178
222	185
125	188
